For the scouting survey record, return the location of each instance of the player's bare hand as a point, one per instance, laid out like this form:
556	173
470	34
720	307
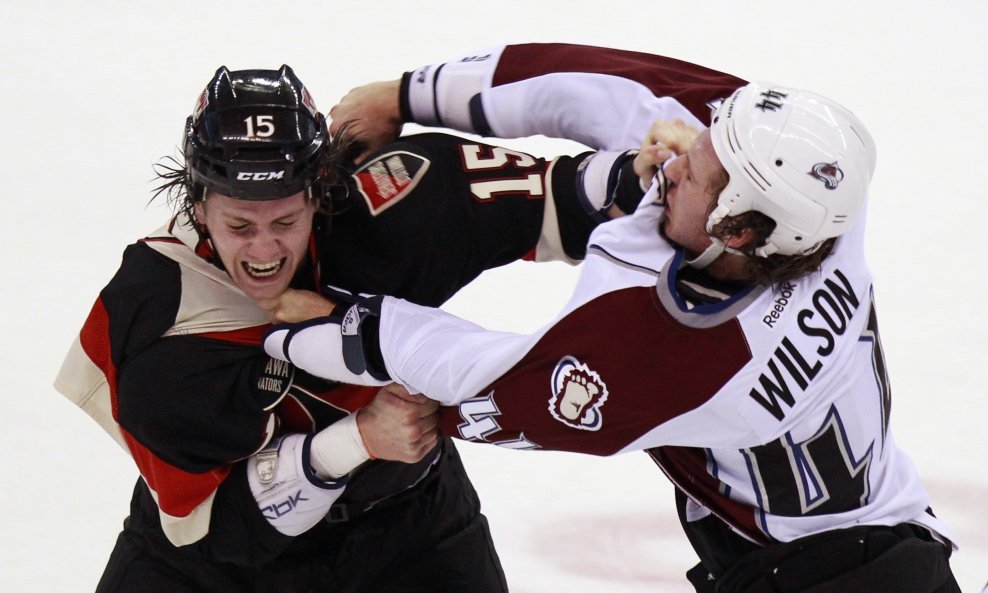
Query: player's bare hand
370	115
399	426
297	305
665	139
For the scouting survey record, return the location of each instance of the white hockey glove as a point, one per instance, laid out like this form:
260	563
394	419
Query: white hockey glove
340	347
288	492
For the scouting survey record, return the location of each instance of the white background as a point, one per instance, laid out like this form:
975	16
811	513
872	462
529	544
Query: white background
93	93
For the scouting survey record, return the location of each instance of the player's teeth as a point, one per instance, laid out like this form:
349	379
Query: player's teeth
263	270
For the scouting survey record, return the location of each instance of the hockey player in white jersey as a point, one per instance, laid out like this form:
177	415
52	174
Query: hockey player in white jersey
727	327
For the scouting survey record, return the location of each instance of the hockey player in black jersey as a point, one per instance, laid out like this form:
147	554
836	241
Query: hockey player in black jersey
254	475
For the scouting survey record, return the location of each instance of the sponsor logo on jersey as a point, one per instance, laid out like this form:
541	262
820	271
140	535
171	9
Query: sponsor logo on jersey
791	369
389	178
779	304
829	173
578	393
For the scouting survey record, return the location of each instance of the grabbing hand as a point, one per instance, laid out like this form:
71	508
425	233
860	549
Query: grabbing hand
665	139
297	305
370	115
399	426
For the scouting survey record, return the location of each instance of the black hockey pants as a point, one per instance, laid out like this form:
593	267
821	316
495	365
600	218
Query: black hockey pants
867	559
431	538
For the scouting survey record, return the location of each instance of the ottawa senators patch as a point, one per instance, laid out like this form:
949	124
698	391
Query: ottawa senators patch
390	177
577	395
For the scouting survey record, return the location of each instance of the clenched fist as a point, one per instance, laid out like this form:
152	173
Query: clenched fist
294	306
665	139
399	426
370	115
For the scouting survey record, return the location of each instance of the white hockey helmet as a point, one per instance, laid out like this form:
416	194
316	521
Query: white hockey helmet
799	158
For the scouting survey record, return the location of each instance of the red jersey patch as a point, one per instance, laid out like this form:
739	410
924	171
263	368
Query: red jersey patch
390	177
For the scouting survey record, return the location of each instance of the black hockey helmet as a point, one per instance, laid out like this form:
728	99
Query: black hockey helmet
254	135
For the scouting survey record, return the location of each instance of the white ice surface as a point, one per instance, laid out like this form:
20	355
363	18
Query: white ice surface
94	92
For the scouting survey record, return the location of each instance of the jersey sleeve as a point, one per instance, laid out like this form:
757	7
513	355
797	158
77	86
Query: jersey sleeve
608	376
195	401
187	408
604	98
605	377
428	214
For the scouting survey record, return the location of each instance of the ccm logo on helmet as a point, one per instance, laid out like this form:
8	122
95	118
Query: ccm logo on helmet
262	176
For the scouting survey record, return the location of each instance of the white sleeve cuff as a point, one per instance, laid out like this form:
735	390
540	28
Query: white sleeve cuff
595	177
439	94
338	449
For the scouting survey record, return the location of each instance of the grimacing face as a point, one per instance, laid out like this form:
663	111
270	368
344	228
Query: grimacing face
260	242
690	198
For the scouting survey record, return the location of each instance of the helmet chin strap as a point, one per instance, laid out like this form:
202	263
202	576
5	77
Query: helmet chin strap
709	254
716	246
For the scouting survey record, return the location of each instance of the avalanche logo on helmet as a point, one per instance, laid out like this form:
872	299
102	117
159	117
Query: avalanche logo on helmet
577	395
829	173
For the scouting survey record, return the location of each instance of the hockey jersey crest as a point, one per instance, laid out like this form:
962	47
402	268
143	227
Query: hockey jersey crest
389	177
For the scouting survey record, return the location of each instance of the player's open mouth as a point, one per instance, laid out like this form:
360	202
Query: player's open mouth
263	270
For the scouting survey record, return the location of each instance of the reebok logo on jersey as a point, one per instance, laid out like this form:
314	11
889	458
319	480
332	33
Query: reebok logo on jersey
578	393
792	368
389	178
778	306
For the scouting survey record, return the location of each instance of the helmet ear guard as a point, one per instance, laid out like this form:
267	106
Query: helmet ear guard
799	158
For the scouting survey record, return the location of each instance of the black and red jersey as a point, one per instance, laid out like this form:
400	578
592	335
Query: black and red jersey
169	363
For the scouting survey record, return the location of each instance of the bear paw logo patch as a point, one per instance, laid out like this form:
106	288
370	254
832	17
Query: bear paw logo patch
577	395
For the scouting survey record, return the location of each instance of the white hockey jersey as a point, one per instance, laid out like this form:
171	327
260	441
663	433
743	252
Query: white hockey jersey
769	409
